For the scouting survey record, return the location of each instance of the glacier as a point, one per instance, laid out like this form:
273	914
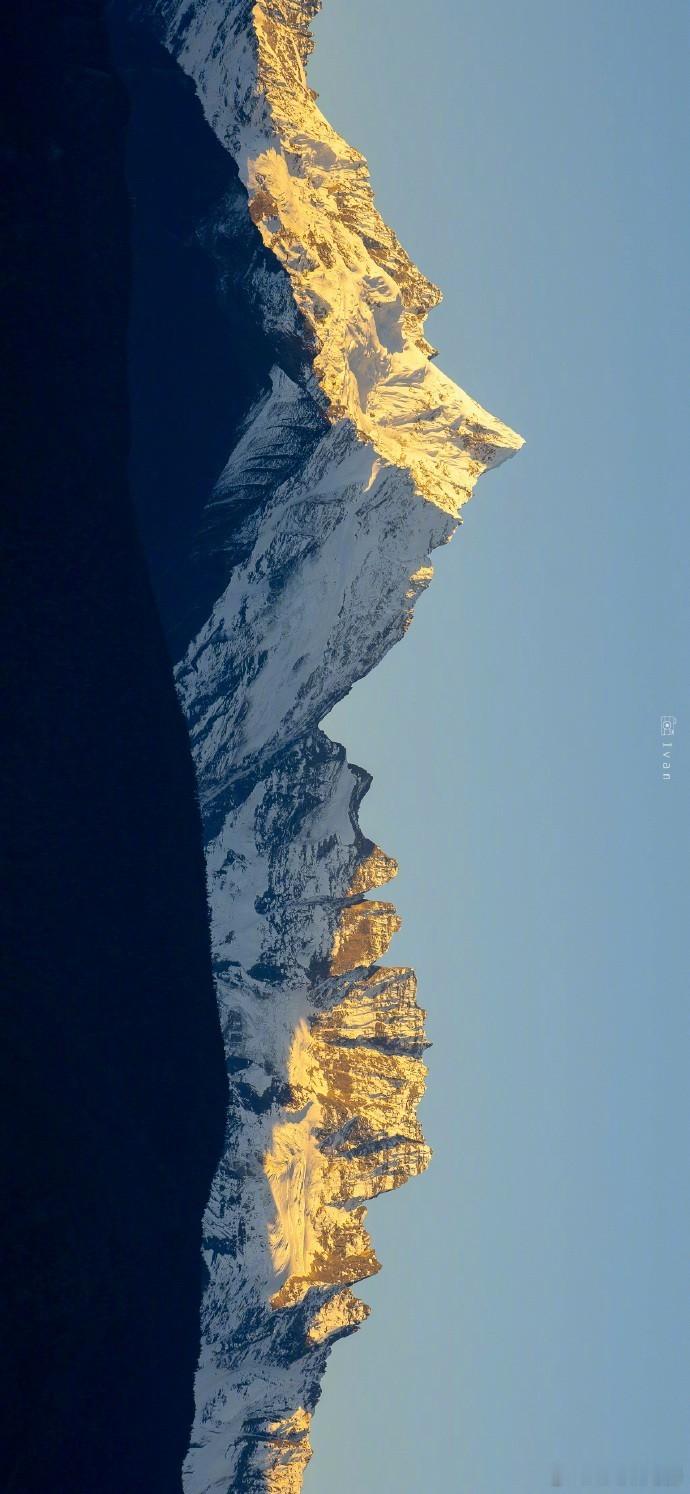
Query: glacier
350	467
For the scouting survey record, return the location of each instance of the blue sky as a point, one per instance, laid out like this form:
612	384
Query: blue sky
532	1317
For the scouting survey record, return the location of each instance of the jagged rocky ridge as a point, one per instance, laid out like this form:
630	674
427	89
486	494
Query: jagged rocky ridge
350	468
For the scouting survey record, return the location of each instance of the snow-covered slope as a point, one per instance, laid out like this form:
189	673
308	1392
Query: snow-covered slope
351	467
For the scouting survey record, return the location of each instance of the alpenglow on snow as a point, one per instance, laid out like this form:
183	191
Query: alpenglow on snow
349	468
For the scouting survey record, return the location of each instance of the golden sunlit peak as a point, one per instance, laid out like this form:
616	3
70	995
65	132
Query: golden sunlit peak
286	1452
341	1314
325	1046
356	1078
374	870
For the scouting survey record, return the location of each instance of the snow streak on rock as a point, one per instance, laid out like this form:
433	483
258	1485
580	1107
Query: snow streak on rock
350	470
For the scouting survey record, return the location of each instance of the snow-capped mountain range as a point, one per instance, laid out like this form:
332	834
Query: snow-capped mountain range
350	468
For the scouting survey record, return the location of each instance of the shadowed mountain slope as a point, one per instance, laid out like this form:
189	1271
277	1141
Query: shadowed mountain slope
113	1078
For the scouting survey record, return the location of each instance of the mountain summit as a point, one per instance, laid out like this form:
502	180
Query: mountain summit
343	465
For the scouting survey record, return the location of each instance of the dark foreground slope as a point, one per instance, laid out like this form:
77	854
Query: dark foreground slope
113	1082
200	355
